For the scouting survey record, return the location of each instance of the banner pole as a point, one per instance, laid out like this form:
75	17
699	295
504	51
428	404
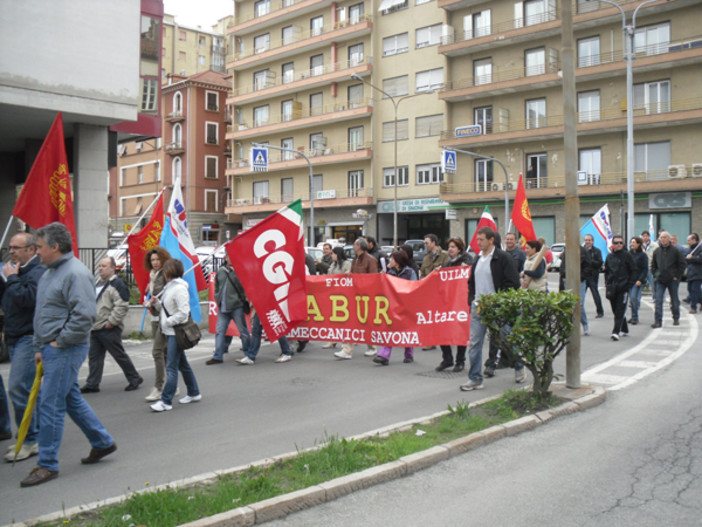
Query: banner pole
209	257
7	229
145	212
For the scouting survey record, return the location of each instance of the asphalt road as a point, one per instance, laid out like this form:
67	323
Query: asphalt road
251	412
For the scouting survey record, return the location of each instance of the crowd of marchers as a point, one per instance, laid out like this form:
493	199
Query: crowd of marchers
57	314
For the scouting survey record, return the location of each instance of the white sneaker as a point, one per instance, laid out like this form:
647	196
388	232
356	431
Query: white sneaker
160	406
520	376
283	358
371	352
245	360
187	399
329	345
155	395
25	452
343	355
614	337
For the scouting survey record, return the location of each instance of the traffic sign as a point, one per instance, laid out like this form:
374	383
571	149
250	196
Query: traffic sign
258	159
468	131
448	162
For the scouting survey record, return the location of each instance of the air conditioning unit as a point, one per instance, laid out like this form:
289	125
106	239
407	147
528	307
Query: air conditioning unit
677	171
139	147
640	177
239	202
696	170
260	50
510	186
261	200
498	186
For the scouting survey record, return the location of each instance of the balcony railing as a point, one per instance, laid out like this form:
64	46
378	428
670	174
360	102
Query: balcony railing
175	148
276	156
322	197
275	5
500	75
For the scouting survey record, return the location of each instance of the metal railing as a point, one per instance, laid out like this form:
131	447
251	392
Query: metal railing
320	197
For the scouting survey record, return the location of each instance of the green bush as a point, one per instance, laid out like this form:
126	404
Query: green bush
541	324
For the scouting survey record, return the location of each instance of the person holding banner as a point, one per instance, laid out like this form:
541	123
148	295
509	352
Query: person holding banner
340	265
251	352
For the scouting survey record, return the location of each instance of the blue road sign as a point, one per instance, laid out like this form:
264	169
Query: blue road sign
259	159
448	161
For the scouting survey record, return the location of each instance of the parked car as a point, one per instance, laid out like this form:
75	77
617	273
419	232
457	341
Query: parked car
120	254
203	253
557	249
314	252
418	249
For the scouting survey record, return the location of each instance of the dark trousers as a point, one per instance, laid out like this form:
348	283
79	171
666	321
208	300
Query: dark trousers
447	355
591	283
618	304
109	340
504	360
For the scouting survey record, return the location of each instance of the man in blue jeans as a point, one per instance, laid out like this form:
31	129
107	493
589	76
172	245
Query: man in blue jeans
230	297
251	352
65	312
19	282
667	266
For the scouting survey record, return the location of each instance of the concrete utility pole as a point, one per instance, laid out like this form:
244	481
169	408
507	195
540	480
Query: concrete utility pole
572	202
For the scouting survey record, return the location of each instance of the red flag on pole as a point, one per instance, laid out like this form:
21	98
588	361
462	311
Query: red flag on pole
486	220
521	216
46	196
141	242
269	260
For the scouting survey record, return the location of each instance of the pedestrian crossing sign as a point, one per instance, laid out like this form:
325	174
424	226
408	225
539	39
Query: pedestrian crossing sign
258	159
448	162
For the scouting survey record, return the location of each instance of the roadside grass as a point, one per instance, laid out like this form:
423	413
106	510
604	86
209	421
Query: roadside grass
334	458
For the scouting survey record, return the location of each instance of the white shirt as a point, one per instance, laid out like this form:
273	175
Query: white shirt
483	275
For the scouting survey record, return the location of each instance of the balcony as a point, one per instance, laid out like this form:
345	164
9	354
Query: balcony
304	40
605	120
343	197
280	12
322	76
331	155
304	118
174	149
175	117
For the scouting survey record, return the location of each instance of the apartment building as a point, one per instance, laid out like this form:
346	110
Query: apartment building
186	50
193	147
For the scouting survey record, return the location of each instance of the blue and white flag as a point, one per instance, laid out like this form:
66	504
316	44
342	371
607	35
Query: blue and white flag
600	229
176	239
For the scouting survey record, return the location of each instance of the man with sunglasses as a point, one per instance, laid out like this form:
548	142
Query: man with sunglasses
620	276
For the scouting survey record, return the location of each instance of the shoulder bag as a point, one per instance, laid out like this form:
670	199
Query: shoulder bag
187	334
246	306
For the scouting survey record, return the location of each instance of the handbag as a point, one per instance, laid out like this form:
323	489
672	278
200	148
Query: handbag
187	334
246	306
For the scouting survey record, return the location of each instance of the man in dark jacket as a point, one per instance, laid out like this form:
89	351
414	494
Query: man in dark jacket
693	257
620	276
18	289
493	270
323	264
592	273
376	253
667	266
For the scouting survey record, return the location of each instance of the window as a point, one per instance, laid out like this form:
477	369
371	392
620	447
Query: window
212	100
260	191
177	168
211	167
149	89
588	106
202	40
428	125
389	130
317	183
402	176
262	79
590	161
482	71
652	40
390	6
317	143
177	135
316	64
288	71
316	25
262	7
428	174
430	79
539	11
355	13
158	171
652	158
181	55
290	145
286	189
140	174
535	113
260	115
355	136
586	6
477	25
210	200
212	133
588	52
654	96
201	60
286	108
395	44
355	54
483	175
355	95
316	103
288	3
288	35
534	62
355	183
182	35
428	36
396	85
537	170
262	43
483	117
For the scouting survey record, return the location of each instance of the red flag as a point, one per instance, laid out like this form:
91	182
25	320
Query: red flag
46	195
486	220
521	217
141	242
269	260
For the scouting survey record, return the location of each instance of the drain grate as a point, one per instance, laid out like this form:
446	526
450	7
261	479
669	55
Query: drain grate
448	375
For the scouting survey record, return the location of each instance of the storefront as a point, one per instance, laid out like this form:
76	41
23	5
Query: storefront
415	219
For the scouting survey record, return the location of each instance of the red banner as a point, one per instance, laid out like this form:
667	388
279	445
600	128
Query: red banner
387	311
143	241
521	217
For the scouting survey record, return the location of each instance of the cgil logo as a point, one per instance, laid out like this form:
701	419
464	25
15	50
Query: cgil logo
277	266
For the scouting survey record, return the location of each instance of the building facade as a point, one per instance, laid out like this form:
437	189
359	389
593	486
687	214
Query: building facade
186	50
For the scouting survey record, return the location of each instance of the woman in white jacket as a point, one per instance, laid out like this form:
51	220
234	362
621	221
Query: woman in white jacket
175	309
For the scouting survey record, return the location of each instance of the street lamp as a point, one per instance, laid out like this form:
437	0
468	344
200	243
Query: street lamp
395	103
628	41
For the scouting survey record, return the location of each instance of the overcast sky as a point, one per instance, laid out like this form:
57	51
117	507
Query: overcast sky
195	13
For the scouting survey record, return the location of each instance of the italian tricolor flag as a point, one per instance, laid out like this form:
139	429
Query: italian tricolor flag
486	220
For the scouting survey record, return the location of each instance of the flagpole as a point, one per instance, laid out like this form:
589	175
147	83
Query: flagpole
210	256
144	214
7	229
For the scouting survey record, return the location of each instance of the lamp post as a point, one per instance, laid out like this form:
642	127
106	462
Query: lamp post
395	103
628	42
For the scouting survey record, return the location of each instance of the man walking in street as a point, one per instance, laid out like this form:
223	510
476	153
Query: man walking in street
230	297
65	312
18	288
620	277
112	305
649	246
515	252
436	257
493	270
592	273
667	266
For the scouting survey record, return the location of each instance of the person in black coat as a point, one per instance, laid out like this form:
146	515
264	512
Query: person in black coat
693	257
641	261
592	273
620	276
667	266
